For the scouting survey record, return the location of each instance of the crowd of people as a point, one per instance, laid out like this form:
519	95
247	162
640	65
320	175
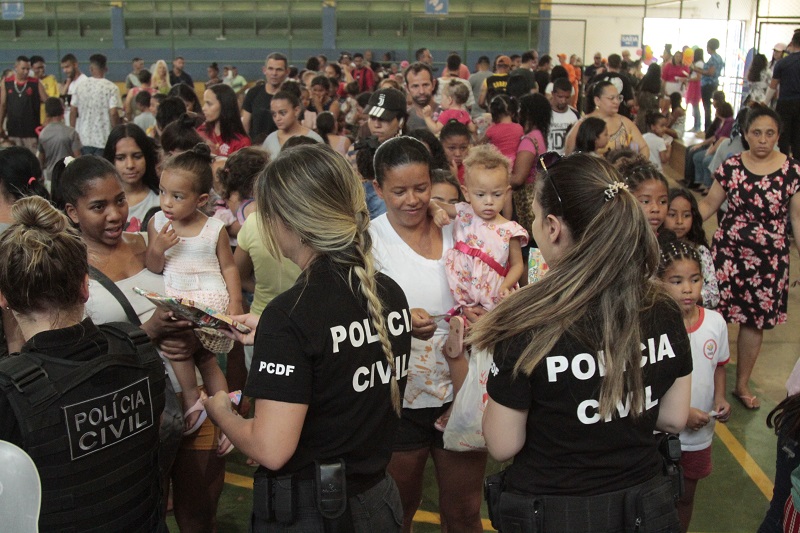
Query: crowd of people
370	234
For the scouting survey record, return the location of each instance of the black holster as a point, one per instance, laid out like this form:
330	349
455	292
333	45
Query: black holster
275	499
493	487
669	447
521	514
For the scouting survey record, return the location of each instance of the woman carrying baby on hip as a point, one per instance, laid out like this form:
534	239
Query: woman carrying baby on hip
486	262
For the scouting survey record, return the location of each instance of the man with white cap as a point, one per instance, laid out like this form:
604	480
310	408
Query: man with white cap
778	53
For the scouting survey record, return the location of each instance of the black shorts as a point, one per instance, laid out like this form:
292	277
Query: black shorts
416	431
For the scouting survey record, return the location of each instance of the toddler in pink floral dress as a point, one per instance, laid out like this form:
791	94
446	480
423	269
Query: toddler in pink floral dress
486	262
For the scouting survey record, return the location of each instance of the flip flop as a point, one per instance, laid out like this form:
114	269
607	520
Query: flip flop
197	407
454	345
226	448
749	402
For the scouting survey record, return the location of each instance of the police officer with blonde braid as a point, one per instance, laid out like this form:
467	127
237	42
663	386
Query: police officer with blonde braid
330	355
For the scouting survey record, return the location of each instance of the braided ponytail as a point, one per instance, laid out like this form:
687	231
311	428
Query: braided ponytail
313	191
365	271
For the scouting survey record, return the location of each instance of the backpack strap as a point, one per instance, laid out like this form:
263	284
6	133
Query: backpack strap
115	291
25	373
125	338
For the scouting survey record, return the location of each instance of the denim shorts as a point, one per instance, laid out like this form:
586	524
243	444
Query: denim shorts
376	509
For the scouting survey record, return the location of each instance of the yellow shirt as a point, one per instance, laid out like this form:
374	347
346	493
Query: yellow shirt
272	276
51	88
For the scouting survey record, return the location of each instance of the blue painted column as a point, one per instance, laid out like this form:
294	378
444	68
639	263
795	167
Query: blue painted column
545	13
329	25
118	26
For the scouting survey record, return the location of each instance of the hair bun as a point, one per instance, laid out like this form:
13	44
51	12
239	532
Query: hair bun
203	150
186	121
36	212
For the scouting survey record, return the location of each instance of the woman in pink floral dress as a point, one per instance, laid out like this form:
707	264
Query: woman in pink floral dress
750	248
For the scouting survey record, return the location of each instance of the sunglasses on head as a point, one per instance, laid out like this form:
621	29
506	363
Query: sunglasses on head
546	162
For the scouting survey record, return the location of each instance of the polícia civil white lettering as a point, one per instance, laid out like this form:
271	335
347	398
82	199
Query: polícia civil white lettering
578	372
555	365
360	331
364	376
664	350
109	411
588	409
396	328
583	366
93	439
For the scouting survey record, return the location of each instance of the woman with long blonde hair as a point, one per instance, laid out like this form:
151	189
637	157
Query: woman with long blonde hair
588	362
329	356
160	78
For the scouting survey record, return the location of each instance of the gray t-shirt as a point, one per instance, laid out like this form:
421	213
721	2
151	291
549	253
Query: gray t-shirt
477	79
145	120
57	141
273	146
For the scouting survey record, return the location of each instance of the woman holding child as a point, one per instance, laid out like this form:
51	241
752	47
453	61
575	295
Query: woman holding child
96	203
410	248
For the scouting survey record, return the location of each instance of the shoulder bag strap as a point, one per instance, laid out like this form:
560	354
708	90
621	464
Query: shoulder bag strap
111	287
535	143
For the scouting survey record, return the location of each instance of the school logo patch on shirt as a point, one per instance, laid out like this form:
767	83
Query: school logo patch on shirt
710	349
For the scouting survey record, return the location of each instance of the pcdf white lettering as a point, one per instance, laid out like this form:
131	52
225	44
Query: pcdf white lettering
279	369
364	377
361	331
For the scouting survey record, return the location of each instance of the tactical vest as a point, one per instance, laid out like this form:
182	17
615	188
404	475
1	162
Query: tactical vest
91	428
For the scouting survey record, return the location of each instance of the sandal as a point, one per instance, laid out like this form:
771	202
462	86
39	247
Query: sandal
197	407
226	448
749	402
454	345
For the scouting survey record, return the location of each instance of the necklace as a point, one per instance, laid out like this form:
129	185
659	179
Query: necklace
18	90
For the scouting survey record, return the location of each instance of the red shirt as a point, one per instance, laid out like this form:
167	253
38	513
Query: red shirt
365	78
669	72
221	147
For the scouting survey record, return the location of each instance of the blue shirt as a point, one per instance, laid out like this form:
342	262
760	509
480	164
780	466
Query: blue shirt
713	61
787	72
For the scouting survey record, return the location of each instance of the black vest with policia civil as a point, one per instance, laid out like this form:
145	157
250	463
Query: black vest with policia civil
91	428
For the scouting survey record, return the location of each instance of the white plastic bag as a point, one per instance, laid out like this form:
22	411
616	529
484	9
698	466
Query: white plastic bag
463	432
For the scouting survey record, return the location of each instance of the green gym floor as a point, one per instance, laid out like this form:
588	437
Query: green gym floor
732	500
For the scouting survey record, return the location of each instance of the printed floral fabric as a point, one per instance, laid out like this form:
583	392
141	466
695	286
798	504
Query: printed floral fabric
472	281
750	249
